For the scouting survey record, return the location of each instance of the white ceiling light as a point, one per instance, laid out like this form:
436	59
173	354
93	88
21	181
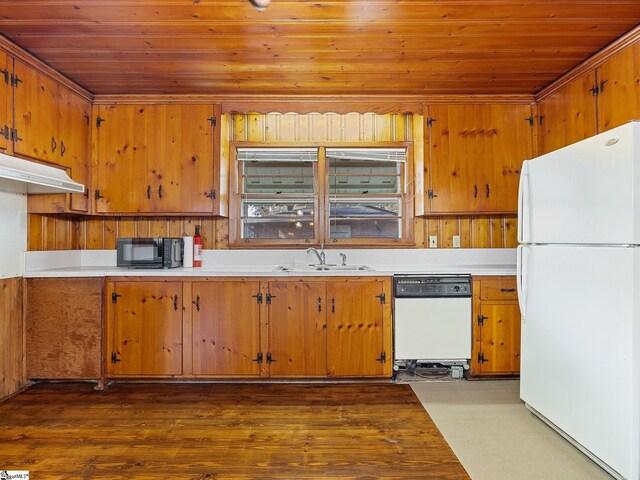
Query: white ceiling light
260	4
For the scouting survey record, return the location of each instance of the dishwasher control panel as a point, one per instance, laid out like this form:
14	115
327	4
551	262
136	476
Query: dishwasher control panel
431	286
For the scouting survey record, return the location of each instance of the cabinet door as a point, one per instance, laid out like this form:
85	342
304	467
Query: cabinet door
75	114
6	69
355	329
147	328
455	146
226	328
184	165
125	150
297	329
508	141
499	339
618	81
36	115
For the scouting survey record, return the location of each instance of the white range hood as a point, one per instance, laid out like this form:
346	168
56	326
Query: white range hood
37	178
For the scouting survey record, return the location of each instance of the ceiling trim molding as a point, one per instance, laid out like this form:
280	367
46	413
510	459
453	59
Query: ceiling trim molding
24	56
316	103
590	63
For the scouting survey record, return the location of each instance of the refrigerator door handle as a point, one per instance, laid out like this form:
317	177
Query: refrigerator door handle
521	280
523	202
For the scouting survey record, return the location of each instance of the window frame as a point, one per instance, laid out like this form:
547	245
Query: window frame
321	200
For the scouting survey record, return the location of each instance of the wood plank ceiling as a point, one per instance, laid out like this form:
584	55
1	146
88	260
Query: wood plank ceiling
332	47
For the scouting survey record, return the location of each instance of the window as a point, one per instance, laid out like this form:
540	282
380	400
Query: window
321	195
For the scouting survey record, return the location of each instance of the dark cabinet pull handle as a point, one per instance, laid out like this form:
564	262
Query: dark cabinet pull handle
488	190
198	303
475	191
258	358
149	192
160	191
175	302
54	145
270	359
62	149
333	305
507	290
319	304
602	82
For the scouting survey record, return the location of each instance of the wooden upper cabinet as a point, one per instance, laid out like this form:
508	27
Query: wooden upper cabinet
156	159
297	329
36	114
475	155
6	100
619	89
226	328
74	132
184	169
147	329
125	152
357	322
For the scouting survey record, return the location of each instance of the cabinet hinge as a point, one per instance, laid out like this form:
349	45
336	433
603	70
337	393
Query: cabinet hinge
114	297
97	195
270	359
258	358
114	358
481	319
595	90
213	121
258	297
211	194
87	118
430	194
530	120
14	135
540	119
382	358
430	122
382	297
15	80
269	297
481	358
99	121
5	73
5	132
602	82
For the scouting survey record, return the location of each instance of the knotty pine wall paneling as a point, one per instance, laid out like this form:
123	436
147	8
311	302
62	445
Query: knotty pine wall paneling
12	338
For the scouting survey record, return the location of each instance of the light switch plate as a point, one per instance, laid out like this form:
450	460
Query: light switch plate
456	241
433	241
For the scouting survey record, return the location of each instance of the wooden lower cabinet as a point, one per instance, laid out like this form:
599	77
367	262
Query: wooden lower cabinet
297	329
146	329
250	328
496	327
64	328
226	328
356	328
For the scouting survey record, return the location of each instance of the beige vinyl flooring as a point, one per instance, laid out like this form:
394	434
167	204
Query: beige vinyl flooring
496	438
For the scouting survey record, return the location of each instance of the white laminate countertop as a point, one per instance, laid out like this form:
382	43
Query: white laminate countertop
262	263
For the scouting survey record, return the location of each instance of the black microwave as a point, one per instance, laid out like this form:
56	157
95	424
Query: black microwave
150	252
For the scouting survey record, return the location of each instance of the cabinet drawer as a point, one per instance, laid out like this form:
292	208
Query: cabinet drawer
498	289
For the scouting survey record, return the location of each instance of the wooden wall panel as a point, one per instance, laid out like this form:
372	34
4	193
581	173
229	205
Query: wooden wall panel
64	331
12	372
96	233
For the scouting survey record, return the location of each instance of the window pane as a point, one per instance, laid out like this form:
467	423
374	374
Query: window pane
277	177
364	176
365	208
365	228
269	219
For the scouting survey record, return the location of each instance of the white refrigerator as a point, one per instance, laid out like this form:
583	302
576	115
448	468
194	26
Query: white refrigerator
579	293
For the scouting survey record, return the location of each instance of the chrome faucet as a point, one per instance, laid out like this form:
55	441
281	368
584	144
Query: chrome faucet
321	257
344	259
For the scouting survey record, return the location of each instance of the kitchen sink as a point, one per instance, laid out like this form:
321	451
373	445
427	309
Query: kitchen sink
322	268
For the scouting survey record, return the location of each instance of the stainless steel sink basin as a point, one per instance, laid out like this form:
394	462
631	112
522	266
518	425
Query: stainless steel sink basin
322	268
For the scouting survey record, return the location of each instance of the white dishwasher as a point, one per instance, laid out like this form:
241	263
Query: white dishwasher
432	320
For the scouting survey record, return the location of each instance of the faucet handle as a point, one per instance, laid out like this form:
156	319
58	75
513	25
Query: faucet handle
344	259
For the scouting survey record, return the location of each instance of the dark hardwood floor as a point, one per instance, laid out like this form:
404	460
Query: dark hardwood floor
223	431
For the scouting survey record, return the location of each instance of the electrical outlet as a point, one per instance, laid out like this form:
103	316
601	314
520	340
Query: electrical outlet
456	241
433	241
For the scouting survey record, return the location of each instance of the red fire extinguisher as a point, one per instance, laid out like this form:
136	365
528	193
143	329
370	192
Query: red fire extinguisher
197	248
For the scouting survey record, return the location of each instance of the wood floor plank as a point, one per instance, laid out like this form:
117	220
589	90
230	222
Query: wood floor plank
224	431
